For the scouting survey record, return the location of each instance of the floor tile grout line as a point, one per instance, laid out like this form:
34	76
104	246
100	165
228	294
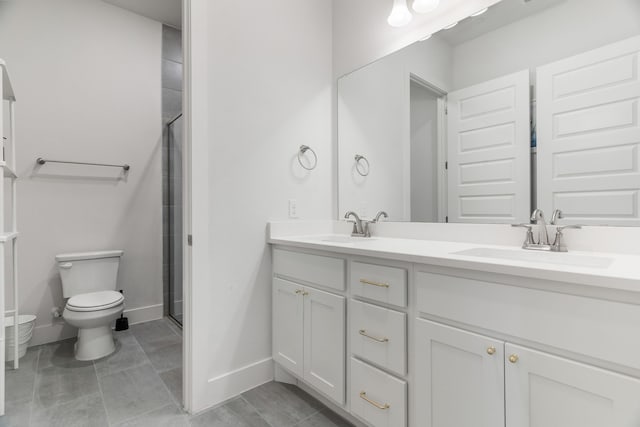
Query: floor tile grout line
154	370
104	406
173	398
305	419
135	417
257	411
35	384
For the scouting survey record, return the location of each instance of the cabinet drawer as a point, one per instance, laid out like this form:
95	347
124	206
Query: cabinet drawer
379	335
593	327
379	283
378	398
314	269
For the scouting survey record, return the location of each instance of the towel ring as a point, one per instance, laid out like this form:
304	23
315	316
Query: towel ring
303	150
360	162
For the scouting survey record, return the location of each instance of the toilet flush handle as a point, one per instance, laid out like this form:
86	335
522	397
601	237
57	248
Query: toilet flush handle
66	265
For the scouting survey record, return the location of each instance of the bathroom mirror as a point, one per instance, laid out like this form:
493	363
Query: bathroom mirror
521	107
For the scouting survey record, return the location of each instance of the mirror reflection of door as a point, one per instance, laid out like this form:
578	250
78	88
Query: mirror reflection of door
488	151
579	81
427	181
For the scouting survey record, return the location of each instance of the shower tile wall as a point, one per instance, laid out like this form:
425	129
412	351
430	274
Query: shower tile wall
171	170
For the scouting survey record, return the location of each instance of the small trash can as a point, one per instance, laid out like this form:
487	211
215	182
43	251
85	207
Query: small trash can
26	323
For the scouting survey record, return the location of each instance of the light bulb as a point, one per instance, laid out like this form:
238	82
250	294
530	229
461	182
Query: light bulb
425	38
480	12
425	6
400	15
450	26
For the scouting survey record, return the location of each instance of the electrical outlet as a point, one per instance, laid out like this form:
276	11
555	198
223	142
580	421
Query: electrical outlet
293	208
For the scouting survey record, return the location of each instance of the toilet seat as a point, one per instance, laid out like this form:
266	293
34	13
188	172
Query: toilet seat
95	301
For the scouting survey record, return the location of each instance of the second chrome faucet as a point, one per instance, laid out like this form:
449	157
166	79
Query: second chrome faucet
542	243
361	226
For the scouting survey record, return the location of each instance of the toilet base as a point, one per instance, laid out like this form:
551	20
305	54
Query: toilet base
94	343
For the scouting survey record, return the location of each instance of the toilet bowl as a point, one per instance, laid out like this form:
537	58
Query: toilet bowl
89	282
92	314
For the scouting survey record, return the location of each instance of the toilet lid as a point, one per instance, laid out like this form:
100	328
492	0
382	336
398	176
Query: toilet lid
95	301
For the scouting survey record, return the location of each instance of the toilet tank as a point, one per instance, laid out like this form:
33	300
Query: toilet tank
86	272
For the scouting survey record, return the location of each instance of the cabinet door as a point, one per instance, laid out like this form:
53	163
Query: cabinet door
548	391
324	342
288	325
459	378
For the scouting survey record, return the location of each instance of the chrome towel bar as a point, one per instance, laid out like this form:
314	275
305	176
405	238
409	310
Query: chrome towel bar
42	161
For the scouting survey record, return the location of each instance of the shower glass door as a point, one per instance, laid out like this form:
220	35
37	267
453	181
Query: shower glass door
175	238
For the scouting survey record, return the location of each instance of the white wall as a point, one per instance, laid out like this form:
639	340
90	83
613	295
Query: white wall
361	34
87	80
268	80
570	28
374	121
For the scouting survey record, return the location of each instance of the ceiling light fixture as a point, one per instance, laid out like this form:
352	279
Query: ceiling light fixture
427	37
450	26
400	15
480	12
425	6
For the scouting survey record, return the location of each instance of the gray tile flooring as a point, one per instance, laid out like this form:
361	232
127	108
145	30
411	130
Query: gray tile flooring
140	385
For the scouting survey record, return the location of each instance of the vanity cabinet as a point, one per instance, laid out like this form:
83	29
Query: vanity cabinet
424	345
470	380
309	324
459	377
546	390
309	335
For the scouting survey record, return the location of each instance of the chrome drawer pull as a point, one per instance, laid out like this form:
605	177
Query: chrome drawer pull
363	395
369	282
364	334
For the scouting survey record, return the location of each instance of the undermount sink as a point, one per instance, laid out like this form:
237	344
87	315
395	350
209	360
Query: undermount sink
559	258
345	239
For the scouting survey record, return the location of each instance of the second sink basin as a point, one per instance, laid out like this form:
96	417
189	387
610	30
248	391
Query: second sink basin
560	258
345	239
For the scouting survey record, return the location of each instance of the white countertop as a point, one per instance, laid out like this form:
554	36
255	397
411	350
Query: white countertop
621	273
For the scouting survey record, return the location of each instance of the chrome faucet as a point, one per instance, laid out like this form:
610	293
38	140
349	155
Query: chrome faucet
359	229
543	244
557	214
537	217
378	215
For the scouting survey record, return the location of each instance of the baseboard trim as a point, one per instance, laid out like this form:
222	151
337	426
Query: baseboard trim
53	332
59	330
231	384
145	314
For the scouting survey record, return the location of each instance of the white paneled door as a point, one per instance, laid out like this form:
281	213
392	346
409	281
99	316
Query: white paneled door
324	342
489	151
548	391
288	325
589	135
459	378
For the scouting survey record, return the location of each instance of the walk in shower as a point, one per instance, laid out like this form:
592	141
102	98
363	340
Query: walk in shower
172	197
174	240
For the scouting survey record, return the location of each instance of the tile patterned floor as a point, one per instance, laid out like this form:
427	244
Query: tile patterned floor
140	385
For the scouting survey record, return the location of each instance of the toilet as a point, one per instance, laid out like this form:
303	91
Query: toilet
89	282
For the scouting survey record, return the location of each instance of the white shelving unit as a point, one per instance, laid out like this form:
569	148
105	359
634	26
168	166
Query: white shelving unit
8	234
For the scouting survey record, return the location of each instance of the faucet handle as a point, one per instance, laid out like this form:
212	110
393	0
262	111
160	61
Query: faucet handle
560	228
529	227
558	243
529	240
